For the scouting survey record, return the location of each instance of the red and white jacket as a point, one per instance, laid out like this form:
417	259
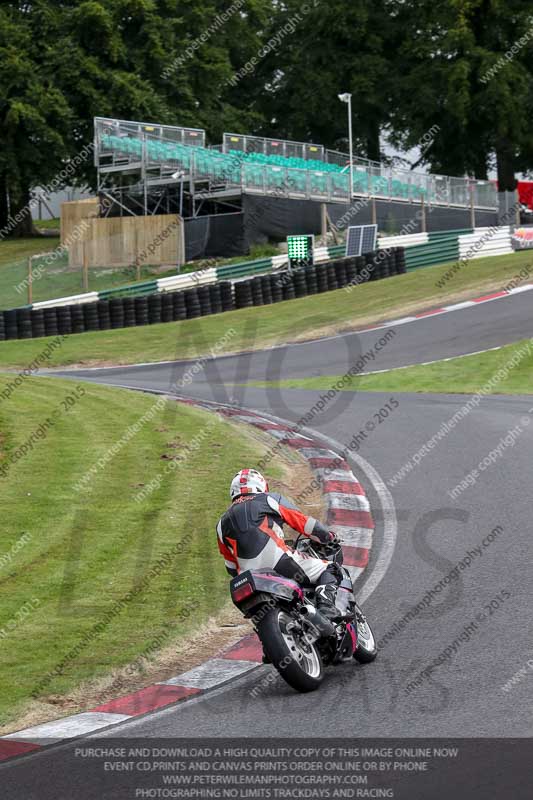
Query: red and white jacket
250	533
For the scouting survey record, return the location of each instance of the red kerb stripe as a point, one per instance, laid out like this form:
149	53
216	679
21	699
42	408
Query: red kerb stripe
352	519
147	700
490	297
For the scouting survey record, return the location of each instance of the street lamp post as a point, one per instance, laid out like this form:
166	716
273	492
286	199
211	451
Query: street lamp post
347	98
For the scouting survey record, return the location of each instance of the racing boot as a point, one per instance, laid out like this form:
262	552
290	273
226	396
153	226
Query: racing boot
325	600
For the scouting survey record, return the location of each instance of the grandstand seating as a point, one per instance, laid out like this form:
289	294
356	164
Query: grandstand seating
258	169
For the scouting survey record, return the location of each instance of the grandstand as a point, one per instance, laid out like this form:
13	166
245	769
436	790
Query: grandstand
149	159
253	189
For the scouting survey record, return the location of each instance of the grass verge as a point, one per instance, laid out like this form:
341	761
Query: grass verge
293	320
508	370
89	579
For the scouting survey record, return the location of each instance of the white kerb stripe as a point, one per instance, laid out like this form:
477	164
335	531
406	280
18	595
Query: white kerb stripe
212	673
336	474
317	452
287	435
457	306
518	289
351	502
68	727
401	321
355	572
353	537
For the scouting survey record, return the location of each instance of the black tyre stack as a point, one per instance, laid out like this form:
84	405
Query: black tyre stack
24	323
141	310
351	272
322	278
340	273
167	307
37	323
10	324
383	257
179	309
360	264
289	292
104	318
129	312
243	294
116	312
332	277
226	290
387	263
401	268
64	319
300	286
311	280
50	322
90	317
154	308
77	319
266	288
192	303
215	297
276	288
257	292
204	300
370	266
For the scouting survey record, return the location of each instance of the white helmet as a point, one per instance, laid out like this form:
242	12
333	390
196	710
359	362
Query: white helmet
247	481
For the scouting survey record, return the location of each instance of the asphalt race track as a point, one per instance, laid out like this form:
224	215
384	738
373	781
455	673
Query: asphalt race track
492	324
483	613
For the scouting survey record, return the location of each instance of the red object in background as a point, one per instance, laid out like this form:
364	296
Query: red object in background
525	193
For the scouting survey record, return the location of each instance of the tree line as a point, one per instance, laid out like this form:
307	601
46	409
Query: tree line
458	68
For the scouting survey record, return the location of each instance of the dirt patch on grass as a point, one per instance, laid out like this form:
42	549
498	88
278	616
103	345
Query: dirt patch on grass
217	634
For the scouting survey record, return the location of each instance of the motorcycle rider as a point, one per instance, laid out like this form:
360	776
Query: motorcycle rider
250	536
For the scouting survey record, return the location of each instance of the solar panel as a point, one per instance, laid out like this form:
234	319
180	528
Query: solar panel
370	233
354	240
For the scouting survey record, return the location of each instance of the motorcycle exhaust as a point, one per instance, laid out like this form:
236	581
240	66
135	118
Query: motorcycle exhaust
323	625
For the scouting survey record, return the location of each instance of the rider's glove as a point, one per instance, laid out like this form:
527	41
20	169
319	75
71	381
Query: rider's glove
334	539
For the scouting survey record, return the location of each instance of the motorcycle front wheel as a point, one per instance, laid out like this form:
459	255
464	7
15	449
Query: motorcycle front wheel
298	662
366	650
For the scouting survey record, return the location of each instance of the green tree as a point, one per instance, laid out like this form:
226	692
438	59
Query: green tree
338	46
64	62
453	73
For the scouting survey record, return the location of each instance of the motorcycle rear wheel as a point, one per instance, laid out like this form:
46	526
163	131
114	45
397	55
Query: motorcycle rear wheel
298	662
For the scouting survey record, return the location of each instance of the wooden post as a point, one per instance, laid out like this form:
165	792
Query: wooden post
472	208
136	240
423	220
324	221
30	281
85	267
374	212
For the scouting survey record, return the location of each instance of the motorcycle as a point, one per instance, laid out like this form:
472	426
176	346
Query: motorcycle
298	640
